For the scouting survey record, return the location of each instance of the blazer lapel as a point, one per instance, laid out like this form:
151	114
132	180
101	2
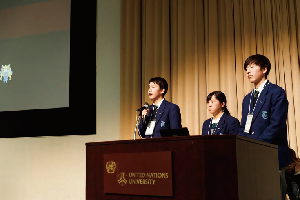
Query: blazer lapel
160	111
220	124
150	111
251	104
208	127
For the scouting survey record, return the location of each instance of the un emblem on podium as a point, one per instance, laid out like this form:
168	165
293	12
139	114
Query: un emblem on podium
110	167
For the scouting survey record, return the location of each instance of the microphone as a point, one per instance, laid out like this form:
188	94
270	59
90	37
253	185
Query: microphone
145	106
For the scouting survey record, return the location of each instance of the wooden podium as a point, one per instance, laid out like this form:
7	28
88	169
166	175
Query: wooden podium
226	167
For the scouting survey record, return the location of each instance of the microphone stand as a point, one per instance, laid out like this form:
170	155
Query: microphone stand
136	125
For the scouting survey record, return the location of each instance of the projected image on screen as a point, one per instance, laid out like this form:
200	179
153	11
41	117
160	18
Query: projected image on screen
5	73
34	54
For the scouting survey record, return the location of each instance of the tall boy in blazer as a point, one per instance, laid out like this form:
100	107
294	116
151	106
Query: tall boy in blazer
264	112
161	114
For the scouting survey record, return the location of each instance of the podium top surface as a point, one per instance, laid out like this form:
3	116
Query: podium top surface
179	138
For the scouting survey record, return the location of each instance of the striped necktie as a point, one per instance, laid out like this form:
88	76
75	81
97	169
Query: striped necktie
255	96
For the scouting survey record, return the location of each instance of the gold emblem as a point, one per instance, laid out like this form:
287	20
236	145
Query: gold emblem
121	179
110	167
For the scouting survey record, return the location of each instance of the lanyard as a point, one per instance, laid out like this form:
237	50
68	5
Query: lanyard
251	101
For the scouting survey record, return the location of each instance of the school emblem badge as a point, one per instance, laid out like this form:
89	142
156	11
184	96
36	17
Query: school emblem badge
264	114
5	73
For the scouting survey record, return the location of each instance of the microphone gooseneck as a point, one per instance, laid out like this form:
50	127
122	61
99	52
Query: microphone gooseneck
145	106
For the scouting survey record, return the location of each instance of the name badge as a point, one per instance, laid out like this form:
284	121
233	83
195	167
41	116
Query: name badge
150	128
248	122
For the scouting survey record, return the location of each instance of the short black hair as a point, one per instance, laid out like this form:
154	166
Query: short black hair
259	60
163	84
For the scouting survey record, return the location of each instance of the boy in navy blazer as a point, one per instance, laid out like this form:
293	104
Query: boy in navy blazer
161	114
264	112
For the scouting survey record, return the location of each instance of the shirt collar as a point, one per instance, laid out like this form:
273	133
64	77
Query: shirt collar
261	87
159	103
216	120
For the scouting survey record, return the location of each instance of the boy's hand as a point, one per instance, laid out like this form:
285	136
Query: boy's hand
145	113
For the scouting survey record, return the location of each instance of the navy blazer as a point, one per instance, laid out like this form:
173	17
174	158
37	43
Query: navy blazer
226	125
167	117
269	120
